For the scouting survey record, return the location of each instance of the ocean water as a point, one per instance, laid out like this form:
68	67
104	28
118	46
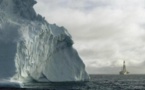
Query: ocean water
97	82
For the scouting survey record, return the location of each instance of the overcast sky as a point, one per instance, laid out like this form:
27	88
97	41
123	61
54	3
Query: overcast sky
105	32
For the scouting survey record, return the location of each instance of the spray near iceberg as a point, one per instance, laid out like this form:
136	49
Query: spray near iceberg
44	52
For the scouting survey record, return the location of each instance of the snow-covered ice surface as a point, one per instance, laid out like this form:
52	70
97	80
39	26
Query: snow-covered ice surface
44	51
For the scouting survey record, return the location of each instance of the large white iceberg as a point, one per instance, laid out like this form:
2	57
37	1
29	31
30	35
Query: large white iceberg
44	51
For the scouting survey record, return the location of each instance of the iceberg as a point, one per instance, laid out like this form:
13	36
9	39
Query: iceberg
43	52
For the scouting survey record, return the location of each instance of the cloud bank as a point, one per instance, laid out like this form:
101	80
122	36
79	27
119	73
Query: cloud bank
105	32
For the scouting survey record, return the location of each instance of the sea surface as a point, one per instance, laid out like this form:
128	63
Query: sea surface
97	82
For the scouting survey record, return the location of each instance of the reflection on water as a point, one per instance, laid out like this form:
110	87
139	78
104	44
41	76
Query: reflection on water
56	85
97	82
9	84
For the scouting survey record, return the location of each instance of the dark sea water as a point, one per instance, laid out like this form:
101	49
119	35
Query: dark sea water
97	82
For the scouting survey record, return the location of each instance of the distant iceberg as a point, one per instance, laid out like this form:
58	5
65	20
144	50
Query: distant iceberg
44	51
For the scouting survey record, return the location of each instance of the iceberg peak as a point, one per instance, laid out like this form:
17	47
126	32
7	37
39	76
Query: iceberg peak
22	8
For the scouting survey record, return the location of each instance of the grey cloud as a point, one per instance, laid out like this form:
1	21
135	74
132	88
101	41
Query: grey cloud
105	32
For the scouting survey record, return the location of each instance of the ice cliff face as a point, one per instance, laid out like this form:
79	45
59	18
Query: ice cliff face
44	51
